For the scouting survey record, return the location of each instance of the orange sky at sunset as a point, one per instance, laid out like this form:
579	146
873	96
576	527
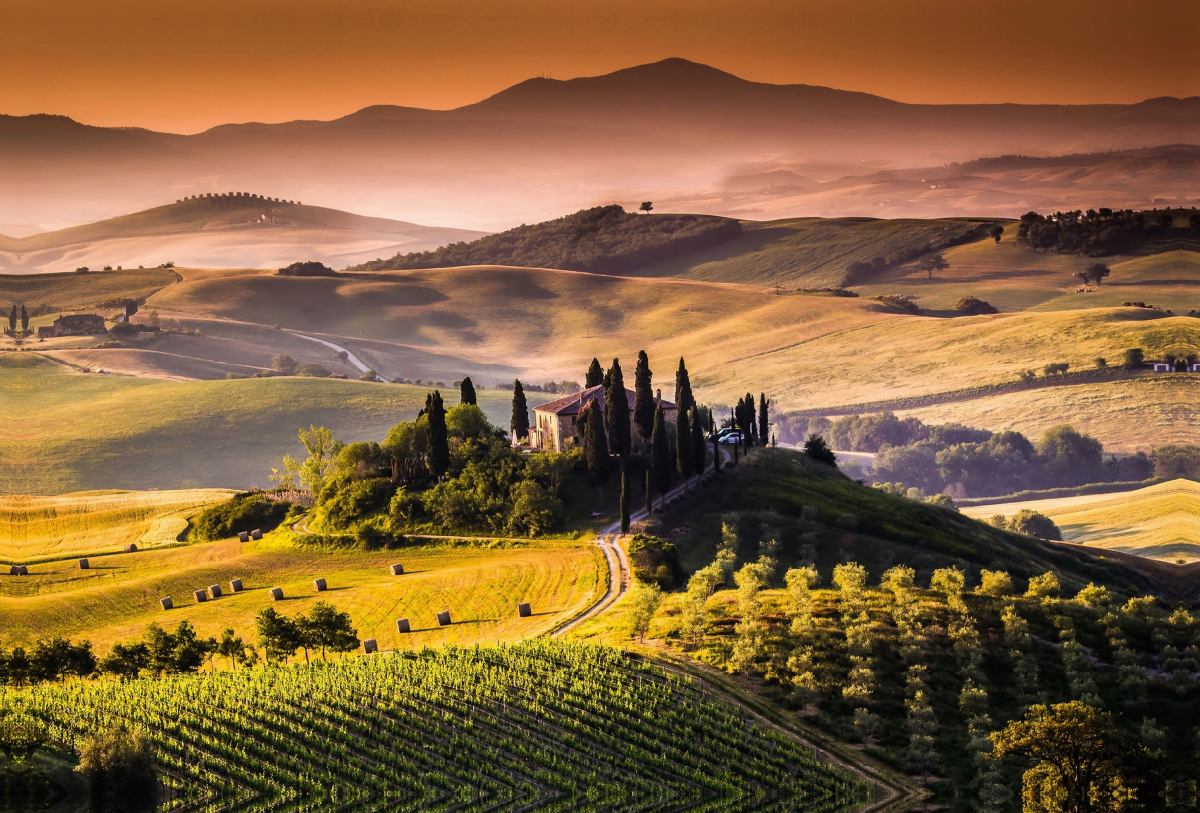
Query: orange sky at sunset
187	66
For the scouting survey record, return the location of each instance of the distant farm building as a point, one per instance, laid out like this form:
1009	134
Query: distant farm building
1163	367
554	422
74	324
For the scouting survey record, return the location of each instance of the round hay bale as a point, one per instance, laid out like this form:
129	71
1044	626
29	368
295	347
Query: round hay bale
402	625
276	593
524	610
443	618
84	564
396	569
256	534
23	570
166	603
370	646
244	536
200	595
319	585
214	591
235	585
131	548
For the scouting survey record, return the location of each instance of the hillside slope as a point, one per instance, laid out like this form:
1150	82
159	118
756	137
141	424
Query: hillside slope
228	230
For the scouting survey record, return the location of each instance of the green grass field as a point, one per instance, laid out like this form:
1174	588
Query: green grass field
37	528
119	595
1161	521
67	431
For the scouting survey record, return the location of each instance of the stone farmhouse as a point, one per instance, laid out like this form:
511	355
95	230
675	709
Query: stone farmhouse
554	422
73	324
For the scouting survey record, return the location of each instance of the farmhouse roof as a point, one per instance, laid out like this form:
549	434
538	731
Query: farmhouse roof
575	403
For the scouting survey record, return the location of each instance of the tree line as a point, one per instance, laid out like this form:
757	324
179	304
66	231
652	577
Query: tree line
1096	232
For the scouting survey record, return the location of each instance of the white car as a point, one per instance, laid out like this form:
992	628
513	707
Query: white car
730	439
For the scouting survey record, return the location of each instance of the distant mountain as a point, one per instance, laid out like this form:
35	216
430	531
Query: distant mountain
546	146
224	231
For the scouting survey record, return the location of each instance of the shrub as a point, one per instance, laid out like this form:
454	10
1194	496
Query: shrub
119	764
355	500
535	511
244	512
308	269
1031	523
655	561
817	449
313	370
971	306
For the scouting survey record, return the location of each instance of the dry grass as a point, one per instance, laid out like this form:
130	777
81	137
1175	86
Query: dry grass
118	596
37	528
1160	522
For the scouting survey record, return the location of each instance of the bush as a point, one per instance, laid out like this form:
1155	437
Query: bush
355	500
655	561
1031	523
313	370
971	306
817	449
119	764
244	512
309	269
535	511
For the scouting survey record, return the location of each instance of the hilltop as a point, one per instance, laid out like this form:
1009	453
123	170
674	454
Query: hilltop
231	229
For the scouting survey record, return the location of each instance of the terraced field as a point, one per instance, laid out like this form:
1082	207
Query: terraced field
535	726
37	528
1159	522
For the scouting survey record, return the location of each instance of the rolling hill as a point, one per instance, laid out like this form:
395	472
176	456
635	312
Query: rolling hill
230	230
672	129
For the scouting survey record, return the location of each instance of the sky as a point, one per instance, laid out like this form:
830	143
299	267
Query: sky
186	66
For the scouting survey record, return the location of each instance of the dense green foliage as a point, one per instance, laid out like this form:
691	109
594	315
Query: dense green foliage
539	725
654	560
244	512
308	269
1094	233
603	240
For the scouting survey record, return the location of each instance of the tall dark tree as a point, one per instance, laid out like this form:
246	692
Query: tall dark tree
12	318
649	493
660	452
751	426
697	443
439	441
466	392
764	419
595	444
624	499
683	388
716	454
595	375
643	398
616	410
520	413
24	320
683	446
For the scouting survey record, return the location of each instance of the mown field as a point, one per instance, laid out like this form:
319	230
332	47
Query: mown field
65	431
81	291
119	595
37	528
1161	521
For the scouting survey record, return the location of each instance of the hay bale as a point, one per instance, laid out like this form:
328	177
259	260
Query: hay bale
443	618
84	564
256	534
214	591
276	593
200	595
396	570
319	585
166	603
131	548
235	585
524	610
402	625
370	646
15	570
244	536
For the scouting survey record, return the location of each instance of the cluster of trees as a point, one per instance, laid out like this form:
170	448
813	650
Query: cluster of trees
308	269
247	511
604	239
754	424
47	661
1095	233
14	318
861	271
1030	523
285	364
967	462
553	387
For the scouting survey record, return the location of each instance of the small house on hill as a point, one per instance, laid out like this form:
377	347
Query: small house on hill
77	324
554	421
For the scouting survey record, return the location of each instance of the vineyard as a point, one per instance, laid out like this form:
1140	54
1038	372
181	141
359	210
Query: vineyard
534	726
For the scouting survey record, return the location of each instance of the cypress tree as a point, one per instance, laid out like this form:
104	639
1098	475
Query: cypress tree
595	375
716	453
520	413
649	494
624	500
660	452
616	410
683	388
439	443
643	398
697	443
764	419
683	446
466	392
12	318
24	320
751	434
595	447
